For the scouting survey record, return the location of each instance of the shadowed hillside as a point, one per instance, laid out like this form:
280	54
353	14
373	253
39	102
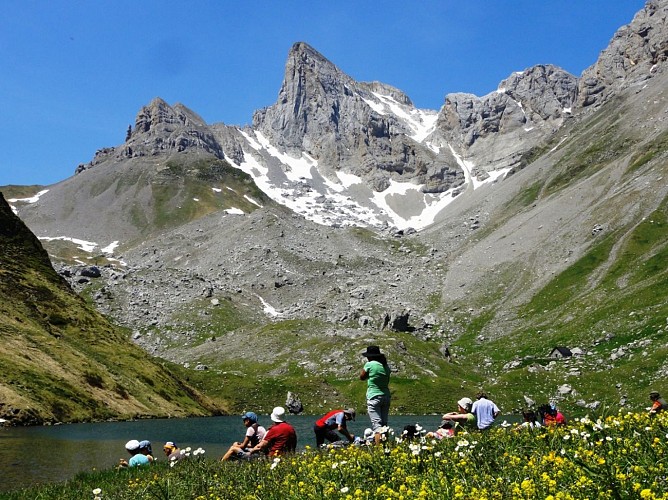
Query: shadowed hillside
60	360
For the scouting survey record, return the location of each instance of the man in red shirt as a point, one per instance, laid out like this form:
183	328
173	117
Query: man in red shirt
335	419
281	438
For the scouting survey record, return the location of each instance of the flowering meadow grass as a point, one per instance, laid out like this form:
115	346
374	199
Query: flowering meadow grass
619	457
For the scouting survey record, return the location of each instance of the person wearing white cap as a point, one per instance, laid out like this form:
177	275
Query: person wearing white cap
463	416
281	438
137	458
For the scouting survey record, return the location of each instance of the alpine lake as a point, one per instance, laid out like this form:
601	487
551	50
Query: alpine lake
54	453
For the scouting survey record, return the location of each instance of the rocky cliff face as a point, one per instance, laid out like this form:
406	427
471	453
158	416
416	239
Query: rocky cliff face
343	124
635	53
494	131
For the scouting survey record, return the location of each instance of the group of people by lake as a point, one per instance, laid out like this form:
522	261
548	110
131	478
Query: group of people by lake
281	438
141	453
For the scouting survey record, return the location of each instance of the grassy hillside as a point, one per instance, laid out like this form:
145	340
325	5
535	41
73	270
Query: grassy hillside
610	300
62	361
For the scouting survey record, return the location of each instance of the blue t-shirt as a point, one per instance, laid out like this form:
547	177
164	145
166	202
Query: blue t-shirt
138	460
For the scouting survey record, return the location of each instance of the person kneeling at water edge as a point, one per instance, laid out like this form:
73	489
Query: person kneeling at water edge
335	419
137	458
254	434
281	438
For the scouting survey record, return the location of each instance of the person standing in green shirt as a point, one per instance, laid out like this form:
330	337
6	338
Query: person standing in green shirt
376	372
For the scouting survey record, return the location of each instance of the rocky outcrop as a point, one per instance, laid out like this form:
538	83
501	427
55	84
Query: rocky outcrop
323	112
493	131
634	54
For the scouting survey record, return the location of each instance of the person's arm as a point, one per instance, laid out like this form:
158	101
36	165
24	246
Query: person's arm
455	416
244	443
364	374
344	430
260	446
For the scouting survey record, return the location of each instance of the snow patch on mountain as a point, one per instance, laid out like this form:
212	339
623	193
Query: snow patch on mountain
32	199
421	122
345	199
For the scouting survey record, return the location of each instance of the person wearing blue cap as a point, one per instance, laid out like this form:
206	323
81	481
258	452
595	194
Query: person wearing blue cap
137	458
145	449
254	434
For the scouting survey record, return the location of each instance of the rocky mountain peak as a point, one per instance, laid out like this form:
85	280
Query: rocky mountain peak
493	131
634	54
160	115
545	90
161	128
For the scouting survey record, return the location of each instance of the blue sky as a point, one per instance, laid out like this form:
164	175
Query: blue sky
75	73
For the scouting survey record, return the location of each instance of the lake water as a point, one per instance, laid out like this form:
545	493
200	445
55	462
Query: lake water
38	455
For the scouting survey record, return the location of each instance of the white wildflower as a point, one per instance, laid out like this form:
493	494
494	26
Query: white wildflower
275	463
97	491
345	489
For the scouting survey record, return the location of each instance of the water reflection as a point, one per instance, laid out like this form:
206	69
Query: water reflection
37	455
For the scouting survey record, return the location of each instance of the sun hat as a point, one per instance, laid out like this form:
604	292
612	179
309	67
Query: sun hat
278	414
465	403
250	416
372	350
132	445
351	412
169	445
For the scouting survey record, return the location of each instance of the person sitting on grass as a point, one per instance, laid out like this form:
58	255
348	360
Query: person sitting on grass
254	434
485	411
280	439
334	420
462	418
551	415
530	421
172	451
658	403
445	430
137	458
146	449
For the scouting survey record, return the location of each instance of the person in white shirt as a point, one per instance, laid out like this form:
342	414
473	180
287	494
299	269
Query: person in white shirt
485	411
